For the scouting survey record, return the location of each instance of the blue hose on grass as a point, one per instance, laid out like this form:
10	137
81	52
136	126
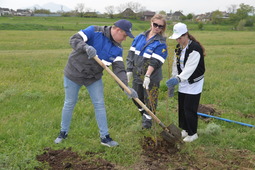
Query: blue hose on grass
227	120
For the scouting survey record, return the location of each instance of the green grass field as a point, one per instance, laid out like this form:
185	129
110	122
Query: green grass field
32	94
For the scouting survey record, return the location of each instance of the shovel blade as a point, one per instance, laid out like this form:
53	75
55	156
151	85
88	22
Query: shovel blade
175	131
168	137
173	134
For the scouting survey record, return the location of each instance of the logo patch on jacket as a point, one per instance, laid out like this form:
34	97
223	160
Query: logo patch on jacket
149	51
111	58
163	50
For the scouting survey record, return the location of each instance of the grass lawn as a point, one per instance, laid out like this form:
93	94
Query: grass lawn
32	94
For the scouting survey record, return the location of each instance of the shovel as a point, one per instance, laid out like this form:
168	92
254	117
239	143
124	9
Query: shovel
171	134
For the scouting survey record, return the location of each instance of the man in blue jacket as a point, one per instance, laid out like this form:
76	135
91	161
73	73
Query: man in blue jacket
83	70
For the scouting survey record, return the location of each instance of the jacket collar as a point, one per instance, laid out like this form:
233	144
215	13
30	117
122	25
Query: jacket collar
107	33
156	37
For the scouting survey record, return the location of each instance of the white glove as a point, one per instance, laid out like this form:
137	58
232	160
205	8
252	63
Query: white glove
146	82
129	76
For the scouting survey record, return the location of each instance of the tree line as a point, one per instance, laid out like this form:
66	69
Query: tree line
239	16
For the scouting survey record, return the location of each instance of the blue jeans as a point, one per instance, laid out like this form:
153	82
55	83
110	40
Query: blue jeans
97	96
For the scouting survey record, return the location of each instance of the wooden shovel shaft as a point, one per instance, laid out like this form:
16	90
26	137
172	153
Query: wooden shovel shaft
129	92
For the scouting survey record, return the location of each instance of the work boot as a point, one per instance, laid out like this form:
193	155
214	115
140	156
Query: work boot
107	141
146	121
62	135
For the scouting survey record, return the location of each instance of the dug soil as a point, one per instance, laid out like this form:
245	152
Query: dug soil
155	155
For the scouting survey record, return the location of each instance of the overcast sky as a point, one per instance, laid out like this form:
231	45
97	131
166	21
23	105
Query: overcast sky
187	6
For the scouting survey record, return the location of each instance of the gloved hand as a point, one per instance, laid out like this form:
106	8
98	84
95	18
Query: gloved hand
91	51
146	82
171	91
172	82
129	76
133	93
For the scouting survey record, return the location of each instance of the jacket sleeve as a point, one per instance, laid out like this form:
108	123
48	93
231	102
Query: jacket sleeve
130	61
78	42
130	57
119	70
190	65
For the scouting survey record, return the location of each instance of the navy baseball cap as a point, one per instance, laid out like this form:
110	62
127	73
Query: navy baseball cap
126	26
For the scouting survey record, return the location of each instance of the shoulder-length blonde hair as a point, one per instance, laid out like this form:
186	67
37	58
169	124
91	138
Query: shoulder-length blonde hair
160	17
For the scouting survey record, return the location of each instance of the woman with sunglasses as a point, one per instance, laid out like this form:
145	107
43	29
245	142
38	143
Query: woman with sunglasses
188	72
145	58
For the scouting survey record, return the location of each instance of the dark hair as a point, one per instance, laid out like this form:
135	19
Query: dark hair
194	39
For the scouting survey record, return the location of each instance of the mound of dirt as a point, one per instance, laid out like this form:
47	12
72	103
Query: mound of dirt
156	154
67	159
207	109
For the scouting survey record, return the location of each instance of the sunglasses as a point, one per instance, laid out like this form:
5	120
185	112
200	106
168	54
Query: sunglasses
155	25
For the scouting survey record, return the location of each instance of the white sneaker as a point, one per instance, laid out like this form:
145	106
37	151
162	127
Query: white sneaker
190	138
184	133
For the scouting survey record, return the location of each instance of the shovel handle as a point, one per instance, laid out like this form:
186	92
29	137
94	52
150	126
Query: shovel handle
129	92
113	75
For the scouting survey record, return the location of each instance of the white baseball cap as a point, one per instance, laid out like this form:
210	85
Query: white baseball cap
178	30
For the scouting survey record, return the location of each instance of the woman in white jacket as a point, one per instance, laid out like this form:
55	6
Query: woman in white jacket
188	72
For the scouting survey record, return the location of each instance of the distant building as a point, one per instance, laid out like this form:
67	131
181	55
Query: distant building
147	15
23	12
128	13
176	16
208	16
204	17
5	11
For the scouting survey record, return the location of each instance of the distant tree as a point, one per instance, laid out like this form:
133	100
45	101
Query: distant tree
241	25
134	6
242	15
42	11
232	9
183	18
244	11
121	8
249	22
216	17
80	9
200	26
110	10
189	16
69	14
162	12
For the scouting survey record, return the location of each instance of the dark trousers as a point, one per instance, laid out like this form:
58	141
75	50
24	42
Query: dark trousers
151	99
188	106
